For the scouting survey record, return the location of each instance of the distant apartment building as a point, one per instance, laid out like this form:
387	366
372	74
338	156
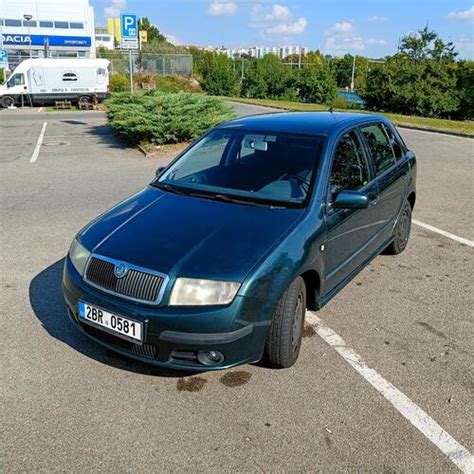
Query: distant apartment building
260	51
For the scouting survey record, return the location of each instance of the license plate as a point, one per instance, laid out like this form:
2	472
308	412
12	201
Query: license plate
122	327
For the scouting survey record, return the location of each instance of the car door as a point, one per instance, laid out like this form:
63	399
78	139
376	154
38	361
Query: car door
350	232
391	172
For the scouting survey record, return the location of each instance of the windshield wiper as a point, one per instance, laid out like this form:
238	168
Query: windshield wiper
247	202
169	188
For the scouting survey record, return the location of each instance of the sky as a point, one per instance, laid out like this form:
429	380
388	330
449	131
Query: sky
336	27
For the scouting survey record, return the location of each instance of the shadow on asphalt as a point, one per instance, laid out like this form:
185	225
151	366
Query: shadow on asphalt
107	136
47	301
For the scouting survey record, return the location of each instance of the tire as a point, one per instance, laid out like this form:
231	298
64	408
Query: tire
402	232
84	99
7	101
283	342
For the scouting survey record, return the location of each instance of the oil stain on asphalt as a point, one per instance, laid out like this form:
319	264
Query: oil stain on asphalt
308	331
193	384
235	379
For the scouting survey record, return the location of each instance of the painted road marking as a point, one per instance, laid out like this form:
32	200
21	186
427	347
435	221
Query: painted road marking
462	240
40	109
35	154
456	453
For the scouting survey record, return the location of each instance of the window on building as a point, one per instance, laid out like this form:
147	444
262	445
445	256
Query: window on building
81	54
79	26
1	21
46	24
61	24
382	153
349	168
29	23
69	77
12	22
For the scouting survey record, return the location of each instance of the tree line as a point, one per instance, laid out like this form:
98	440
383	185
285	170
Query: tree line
423	78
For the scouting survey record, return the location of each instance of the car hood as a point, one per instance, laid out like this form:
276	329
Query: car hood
181	235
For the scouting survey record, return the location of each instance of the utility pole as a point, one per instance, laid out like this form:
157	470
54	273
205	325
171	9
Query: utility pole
130	68
353	73
299	58
28	18
242	72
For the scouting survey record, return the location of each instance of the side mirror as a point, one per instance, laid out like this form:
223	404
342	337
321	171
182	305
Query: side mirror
351	200
160	170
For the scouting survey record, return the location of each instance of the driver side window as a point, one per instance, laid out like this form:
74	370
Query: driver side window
349	168
16	80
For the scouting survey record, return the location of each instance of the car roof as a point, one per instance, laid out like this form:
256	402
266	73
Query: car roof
306	123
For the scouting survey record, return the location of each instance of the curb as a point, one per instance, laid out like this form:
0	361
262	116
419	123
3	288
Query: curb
436	130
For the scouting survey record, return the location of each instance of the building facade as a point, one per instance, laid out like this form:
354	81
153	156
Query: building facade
260	51
56	28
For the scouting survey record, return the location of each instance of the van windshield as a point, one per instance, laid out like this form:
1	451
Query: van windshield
17	79
269	167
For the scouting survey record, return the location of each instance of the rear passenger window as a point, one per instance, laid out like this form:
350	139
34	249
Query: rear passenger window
349	168
396	147
380	148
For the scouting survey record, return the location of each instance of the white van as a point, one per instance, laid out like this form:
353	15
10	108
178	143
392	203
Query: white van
42	81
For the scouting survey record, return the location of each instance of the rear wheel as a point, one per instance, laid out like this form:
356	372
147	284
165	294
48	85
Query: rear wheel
402	232
286	331
7	101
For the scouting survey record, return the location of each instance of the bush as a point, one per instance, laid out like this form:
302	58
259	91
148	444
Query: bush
218	74
119	82
163	118
166	83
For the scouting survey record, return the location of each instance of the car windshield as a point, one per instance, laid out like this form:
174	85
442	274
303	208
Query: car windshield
252	167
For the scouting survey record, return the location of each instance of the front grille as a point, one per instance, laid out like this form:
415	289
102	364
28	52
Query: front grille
144	350
136	284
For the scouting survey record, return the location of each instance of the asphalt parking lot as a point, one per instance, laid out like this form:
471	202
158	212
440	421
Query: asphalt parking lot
384	382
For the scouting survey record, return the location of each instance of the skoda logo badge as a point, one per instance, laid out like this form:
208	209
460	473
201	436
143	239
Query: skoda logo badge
120	270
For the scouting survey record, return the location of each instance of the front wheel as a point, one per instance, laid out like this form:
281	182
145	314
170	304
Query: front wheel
286	331
402	232
7	101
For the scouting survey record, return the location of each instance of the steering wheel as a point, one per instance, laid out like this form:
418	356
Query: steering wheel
305	183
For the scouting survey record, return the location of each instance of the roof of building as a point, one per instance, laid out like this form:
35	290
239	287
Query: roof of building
307	123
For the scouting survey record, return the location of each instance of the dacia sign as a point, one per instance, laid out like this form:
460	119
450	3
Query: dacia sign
38	40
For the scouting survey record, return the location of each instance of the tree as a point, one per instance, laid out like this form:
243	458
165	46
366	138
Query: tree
218	74
419	80
316	84
465	86
153	33
268	78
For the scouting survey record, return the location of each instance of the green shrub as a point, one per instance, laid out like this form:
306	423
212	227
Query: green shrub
119	82
148	80
316	85
218	74
163	118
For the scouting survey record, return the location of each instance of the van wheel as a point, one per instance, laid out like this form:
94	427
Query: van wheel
7	101
84	99
286	331
402	232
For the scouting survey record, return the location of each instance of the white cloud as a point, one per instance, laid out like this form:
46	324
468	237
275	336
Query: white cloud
217	8
279	13
114	8
297	27
337	44
340	28
278	20
463	15
377	19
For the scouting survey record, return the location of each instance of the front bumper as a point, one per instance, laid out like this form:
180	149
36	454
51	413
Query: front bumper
174	336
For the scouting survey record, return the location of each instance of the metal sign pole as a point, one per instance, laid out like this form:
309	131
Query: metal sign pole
130	68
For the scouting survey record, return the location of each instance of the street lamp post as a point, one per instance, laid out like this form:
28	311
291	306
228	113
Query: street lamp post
28	18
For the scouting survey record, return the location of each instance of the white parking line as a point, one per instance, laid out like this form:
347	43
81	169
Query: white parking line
35	154
456	453
462	240
40	109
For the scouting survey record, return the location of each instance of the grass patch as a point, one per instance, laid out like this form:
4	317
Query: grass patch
162	118
443	125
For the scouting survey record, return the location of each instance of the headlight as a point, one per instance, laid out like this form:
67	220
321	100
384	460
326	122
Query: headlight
195	292
78	255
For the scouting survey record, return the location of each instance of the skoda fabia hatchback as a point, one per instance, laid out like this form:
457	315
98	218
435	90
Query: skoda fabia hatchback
215	263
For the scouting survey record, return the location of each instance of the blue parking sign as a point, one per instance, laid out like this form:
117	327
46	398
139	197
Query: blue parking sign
129	26
3	58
